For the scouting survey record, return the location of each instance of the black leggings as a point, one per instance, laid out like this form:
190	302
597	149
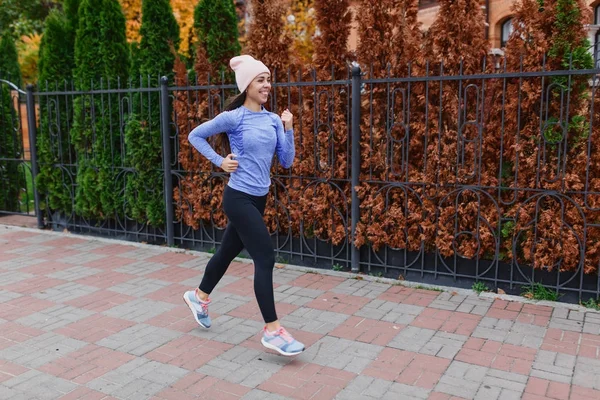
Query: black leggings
246	228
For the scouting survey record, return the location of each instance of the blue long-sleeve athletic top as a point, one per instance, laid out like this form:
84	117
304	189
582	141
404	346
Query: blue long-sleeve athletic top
254	137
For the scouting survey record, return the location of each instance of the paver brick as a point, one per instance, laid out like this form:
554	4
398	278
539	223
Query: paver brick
139	378
141	253
45	268
188	352
141	268
171	258
139	286
311	320
505	357
553	366
250	310
494	329
13	333
19	263
405	295
408	368
307	381
54	317
353	287
172	294
317	282
82	258
226	329
342	354
105	280
390	312
100	300
138	339
37	385
86	364
111	317
339	303
587	373
195	385
9	370
65	292
525	335
369	388
41	349
94	328
448	301
581	393
33	285
367	330
244	366
173	274
537	389
295	295
447	321
139	310
22	306
224	302
178	319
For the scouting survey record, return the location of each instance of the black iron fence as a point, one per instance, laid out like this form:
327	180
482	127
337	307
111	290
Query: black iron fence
491	177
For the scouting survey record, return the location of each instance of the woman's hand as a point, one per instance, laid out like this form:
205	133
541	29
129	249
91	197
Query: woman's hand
229	164
288	119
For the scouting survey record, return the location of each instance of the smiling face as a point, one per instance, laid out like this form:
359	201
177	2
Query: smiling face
259	88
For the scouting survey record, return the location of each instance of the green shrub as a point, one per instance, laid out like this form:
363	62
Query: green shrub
101	60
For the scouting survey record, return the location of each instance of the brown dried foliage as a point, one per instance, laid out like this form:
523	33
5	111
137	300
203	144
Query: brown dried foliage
198	196
438	173
267	39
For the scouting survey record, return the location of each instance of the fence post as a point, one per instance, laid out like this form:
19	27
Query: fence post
32	128
166	154
355	170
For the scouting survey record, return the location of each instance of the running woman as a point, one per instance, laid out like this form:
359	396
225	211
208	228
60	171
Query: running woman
253	135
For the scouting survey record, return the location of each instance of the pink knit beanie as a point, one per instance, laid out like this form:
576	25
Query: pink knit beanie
246	69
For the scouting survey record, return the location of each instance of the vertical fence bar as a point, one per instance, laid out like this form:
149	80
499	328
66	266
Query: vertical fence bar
166	152
355	171
32	128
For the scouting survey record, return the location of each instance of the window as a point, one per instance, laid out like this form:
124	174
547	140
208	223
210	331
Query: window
507	30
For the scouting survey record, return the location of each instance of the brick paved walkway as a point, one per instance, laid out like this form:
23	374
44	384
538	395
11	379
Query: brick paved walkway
84	318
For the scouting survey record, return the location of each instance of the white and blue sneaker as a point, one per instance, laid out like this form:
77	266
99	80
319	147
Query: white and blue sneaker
282	342
199	308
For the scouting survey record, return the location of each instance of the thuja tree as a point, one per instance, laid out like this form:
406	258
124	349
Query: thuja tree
159	35
9	62
390	45
551	118
101	61
334	20
57	61
266	38
322	136
215	22
196	195
268	41
389	36
10	135
455	45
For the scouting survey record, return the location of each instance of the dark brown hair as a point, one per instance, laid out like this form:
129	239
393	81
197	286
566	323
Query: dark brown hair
222	141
